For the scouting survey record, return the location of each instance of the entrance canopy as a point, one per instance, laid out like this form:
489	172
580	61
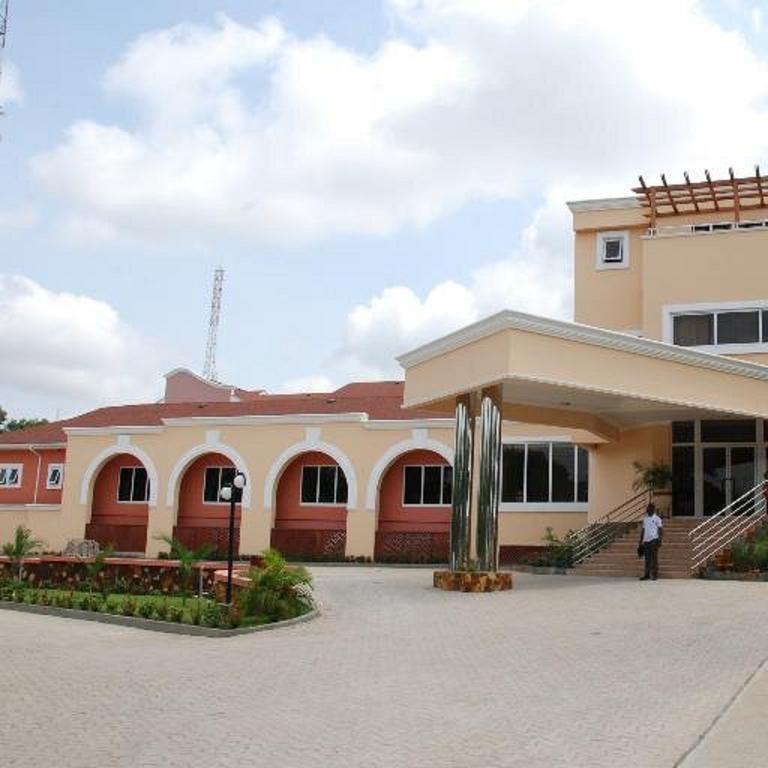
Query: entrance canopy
575	376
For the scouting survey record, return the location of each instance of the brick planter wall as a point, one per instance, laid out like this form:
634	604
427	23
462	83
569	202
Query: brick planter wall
128	574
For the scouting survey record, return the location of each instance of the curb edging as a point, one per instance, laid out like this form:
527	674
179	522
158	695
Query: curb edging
153	625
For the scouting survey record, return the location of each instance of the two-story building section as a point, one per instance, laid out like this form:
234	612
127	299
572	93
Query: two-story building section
664	363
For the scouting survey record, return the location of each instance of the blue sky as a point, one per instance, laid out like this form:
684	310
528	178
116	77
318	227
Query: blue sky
369	174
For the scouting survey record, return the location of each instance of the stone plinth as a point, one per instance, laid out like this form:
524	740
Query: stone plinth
472	581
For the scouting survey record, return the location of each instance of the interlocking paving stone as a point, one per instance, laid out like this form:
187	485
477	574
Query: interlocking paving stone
561	671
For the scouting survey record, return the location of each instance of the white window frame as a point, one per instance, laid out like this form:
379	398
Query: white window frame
600	262
19	475
544	506
338	469
133	468
54	486
442	467
670	311
219	500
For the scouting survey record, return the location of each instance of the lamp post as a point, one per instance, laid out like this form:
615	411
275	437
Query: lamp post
228	494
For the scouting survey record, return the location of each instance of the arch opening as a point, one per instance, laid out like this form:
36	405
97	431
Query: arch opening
119	510
202	516
414	509
311	501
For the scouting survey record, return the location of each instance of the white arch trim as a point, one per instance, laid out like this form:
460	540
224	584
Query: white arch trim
306	446
200	450
417	443
101	458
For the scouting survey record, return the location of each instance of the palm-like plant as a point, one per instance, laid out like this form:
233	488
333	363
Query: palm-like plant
187	558
277	590
97	565
23	545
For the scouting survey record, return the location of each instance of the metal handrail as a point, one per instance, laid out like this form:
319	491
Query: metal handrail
729	524
598	534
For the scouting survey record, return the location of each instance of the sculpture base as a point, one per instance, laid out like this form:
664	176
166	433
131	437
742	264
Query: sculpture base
472	581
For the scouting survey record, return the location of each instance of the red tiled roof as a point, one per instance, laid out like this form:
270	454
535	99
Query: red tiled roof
379	399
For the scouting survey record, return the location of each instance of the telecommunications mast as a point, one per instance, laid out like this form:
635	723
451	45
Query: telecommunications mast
209	369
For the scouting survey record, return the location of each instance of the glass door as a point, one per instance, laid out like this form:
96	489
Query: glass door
727	473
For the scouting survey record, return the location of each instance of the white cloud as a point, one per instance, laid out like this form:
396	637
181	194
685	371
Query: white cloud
536	278
70	346
10	85
251	132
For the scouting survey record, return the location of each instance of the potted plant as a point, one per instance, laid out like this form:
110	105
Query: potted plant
655	477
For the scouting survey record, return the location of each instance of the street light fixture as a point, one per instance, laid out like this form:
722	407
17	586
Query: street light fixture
227	493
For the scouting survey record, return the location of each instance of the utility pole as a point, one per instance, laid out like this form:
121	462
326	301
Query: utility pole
3	33
209	369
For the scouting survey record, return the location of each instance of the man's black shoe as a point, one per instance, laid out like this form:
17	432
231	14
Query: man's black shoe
644	578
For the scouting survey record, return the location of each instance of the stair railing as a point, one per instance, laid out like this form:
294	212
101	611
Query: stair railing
598	534
729	524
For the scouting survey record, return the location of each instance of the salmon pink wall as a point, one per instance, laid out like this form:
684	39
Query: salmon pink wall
193	511
29	475
53	496
290	513
105	508
393	515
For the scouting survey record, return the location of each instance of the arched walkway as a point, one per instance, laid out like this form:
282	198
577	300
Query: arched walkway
122	489
311	508
414	509
203	517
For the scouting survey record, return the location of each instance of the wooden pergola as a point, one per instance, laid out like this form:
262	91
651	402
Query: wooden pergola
735	194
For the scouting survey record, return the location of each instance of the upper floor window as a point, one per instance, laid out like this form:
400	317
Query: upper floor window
425	485
612	250
323	485
10	475
215	479
55	476
714	328
544	473
133	485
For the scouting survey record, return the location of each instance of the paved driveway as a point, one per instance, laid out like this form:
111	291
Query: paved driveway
563	671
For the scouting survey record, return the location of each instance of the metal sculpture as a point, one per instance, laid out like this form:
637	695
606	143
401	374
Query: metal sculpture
462	489
489	485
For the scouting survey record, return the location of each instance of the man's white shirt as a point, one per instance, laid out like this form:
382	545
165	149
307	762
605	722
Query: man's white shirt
651	526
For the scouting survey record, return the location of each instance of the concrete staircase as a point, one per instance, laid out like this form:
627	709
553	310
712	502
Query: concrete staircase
620	557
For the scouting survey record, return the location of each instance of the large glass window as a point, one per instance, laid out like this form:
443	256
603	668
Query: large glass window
215	479
544	473
728	431
702	329
323	485
683	480
133	484
10	475
427	485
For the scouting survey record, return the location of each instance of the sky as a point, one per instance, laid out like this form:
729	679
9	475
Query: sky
370	175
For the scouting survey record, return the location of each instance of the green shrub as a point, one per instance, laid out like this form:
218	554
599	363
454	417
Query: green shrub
213	614
129	606
176	613
161	610
196	612
557	553
112	605
33	597
94	603
45	598
18	596
741	556
277	590
23	545
146	609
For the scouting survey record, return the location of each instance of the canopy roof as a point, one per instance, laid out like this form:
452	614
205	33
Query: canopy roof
576	376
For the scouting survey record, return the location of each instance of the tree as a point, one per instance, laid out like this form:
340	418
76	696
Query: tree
22	546
14	425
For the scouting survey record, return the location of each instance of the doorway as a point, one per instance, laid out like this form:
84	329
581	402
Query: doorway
728	472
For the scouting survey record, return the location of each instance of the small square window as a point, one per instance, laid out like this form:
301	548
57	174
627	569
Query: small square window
10	475
612	250
55	476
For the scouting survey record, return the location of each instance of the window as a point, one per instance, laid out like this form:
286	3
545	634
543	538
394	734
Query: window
133	485
215	479
719	327
55	476
544	473
10	475
323	485
427	485
612	250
